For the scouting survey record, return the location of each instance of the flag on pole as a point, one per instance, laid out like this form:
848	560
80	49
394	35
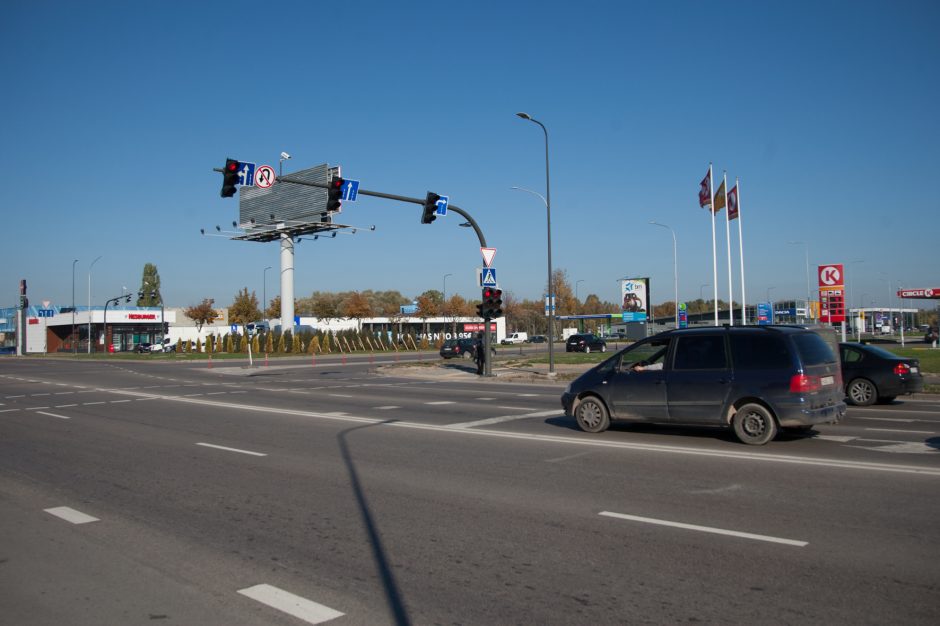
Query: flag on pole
733	203
720	198
705	191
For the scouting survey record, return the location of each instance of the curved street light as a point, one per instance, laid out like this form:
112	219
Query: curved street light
548	211
675	264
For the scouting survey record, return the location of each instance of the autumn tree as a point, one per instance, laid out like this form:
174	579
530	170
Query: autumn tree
324	305
202	313
356	307
244	309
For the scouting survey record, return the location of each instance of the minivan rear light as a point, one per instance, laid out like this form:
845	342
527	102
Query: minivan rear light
801	383
902	368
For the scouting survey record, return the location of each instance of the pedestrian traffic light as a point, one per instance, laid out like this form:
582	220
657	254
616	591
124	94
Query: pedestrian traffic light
229	178
492	306
430	208
334	199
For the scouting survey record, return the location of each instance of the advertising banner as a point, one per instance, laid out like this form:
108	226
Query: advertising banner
634	293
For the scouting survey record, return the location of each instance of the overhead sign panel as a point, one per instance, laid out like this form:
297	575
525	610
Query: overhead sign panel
288	203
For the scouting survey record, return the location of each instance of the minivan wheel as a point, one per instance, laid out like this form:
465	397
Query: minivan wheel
592	416
861	392
754	425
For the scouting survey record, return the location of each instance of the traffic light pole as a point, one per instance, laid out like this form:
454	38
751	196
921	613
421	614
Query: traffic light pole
487	358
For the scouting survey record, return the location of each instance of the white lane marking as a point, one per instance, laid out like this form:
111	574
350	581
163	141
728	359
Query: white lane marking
899	430
36	395
386	408
297	606
884	419
441	402
517	408
529	395
839	438
706	529
339	395
502	418
763	457
61	417
71	515
568	458
210	445
118	401
484	398
91	403
8	410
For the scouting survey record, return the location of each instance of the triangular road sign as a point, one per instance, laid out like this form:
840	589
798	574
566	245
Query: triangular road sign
488	254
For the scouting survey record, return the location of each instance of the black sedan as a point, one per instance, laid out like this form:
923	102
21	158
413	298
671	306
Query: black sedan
585	343
872	374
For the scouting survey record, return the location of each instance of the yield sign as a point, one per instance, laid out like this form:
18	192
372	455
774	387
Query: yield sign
488	254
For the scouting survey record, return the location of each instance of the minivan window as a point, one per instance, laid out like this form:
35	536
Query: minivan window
640	352
813	349
755	352
700	352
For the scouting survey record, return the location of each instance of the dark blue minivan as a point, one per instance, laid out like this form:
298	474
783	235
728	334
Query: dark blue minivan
754	379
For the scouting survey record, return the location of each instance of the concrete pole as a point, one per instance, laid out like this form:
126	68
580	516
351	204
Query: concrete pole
287	284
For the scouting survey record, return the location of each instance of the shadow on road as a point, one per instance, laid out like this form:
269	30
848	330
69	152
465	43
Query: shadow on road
392	593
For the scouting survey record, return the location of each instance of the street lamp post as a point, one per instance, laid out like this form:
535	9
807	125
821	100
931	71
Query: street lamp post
809	308
89	301
548	212
576	283
264	297
675	264
74	347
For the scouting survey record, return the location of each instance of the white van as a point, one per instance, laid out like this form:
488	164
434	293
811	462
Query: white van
516	338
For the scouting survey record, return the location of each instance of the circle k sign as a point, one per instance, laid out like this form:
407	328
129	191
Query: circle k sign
830	275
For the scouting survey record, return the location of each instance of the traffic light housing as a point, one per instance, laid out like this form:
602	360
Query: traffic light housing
166	327
229	178
492	305
430	208
334	198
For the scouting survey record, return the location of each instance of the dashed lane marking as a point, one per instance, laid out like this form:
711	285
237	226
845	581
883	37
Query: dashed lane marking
294	605
71	515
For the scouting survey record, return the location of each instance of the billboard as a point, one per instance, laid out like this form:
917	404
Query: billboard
287	203
831	292
634	294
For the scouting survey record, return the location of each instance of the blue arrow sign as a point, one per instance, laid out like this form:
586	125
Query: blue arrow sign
45	313
489	277
442	210
246	174
350	190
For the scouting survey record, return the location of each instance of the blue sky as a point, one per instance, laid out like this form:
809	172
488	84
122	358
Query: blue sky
115	113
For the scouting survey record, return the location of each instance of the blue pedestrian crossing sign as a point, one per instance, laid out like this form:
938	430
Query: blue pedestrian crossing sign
350	190
442	205
488	278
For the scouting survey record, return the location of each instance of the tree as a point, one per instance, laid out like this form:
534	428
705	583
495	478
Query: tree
324	305
202	314
273	309
565	302
244	309
150	287
356	307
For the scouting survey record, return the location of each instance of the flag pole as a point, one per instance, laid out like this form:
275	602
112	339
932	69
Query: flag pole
737	185
711	208
724	186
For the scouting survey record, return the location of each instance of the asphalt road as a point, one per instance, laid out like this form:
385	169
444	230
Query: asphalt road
143	492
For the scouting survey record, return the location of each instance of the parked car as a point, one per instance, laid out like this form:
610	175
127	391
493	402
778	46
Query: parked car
516	338
538	339
754	379
873	374
585	343
931	335
142	348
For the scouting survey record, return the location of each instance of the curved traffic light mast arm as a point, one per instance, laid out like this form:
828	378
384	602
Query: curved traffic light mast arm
391	196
